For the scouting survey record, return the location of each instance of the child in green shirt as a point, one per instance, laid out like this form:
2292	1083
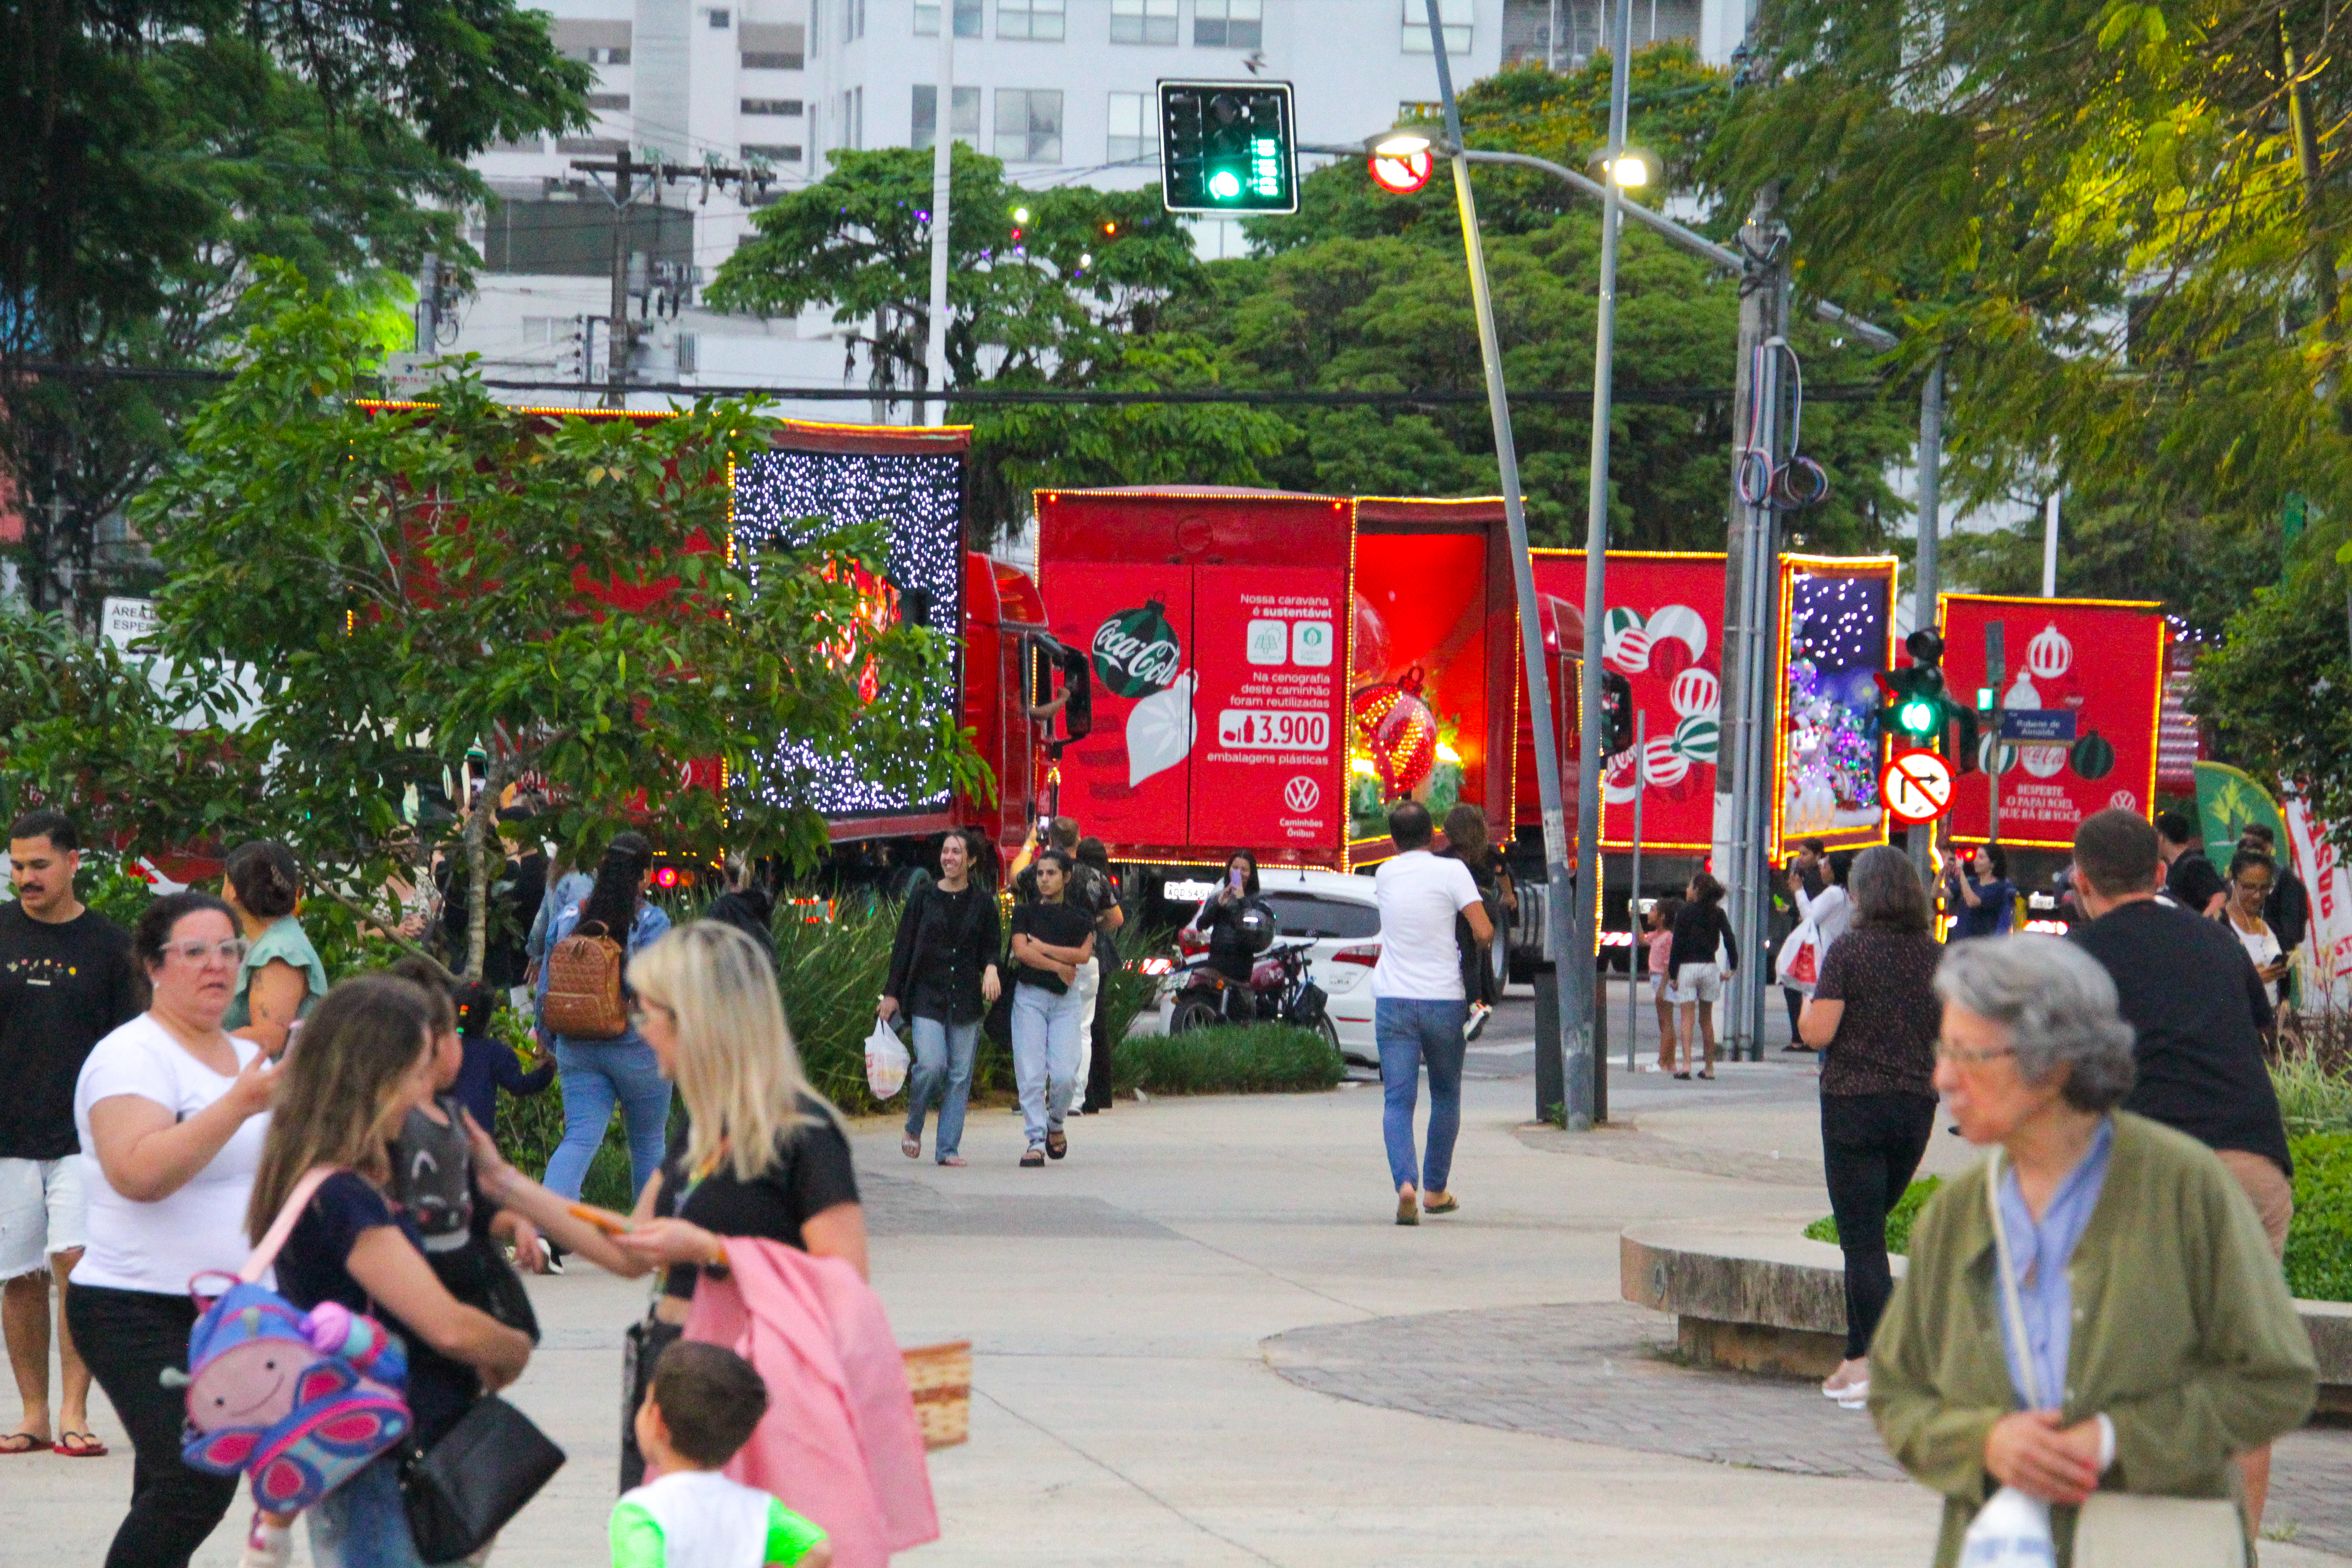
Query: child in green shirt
704	1404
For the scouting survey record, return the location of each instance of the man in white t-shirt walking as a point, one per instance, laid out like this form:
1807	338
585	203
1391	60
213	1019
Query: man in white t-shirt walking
1418	1008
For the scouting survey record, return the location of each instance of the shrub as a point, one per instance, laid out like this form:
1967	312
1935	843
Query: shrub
2313	1097
1253	1058
1899	1219
2319	1242
830	971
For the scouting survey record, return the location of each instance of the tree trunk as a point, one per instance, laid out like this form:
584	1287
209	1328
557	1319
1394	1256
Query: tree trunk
2305	136
482	835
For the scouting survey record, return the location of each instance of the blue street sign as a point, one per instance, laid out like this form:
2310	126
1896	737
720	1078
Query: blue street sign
2037	724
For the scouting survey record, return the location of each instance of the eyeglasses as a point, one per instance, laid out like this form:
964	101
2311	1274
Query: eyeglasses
195	950
638	1014
1948	1052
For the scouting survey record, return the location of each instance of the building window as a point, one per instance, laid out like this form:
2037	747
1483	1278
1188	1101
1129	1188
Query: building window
1142	21
598	43
608	57
967	16
1453	15
1028	123
720	20
966	128
520	144
772	151
853	20
1232	23
591	146
771	106
852	118
1037	20
1134	128
773	45
608	100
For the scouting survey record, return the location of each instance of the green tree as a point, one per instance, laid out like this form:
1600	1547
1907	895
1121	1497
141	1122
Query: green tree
158	149
2122	221
411	585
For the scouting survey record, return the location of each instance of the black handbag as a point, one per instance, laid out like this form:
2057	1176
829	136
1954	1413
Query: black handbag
641	1346
464	1490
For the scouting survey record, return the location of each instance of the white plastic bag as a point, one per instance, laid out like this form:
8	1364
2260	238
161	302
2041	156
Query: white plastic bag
2012	1530
885	1060
1800	964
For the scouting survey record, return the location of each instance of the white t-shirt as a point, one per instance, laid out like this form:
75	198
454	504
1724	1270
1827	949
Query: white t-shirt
1831	911
162	1245
2262	947
1420	894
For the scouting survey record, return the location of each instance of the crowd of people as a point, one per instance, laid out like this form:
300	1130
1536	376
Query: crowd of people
196	1099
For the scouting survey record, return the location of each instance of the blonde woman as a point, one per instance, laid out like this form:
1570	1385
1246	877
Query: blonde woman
763	1156
366	1058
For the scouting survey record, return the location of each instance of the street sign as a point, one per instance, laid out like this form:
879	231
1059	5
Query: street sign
2037	724
1227	147
1917	786
1402	176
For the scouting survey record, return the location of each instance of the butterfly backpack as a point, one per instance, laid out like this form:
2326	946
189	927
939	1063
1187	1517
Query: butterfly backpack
300	1401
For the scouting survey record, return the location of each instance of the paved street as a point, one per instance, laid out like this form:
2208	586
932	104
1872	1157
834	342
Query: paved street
1200	1342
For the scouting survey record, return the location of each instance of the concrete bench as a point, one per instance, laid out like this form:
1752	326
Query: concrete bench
1756	1296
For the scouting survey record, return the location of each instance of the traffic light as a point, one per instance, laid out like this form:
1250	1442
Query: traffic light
1227	147
1616	713
1918	709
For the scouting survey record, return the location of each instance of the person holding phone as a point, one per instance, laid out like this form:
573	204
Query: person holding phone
1221	922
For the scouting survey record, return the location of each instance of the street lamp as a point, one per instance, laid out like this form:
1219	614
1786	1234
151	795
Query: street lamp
1630	169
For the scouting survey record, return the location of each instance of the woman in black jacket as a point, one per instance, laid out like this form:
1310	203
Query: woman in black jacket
944	977
1691	968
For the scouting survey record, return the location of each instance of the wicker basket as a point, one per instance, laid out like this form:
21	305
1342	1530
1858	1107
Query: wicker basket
940	1377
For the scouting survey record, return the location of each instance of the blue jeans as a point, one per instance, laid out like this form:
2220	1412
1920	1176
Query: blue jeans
942	1075
1045	1054
363	1523
1411	1032
595	1074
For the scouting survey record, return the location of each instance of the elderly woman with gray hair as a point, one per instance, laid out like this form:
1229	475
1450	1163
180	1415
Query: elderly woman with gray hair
2091	1326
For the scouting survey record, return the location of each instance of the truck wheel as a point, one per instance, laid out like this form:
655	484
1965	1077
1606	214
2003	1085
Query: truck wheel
1191	1012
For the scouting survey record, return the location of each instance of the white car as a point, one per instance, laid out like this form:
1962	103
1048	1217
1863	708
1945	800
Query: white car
1340	915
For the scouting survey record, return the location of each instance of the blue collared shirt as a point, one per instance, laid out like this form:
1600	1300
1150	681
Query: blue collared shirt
2041	1255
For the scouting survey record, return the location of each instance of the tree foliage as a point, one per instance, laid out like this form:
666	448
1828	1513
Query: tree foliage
2123	221
408	584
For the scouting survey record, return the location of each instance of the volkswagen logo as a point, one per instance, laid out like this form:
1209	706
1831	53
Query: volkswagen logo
1301	792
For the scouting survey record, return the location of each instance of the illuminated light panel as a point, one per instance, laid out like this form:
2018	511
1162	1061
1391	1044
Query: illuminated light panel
921	496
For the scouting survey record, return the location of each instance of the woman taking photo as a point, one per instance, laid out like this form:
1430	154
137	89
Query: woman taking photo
1874	1017
365	1060
172	1111
1985	897
1051	938
760	1154
1221	922
2150	1337
943	977
281	977
595	1074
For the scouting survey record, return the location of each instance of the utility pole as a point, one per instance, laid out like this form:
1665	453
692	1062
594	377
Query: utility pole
428	303
1750	596
1922	614
1575	1026
1584	994
935	348
2050	546
624	194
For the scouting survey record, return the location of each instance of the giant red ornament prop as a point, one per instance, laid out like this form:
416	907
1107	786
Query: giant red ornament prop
1397	727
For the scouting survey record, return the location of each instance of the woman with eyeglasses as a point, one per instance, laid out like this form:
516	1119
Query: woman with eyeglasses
2251	877
172	1111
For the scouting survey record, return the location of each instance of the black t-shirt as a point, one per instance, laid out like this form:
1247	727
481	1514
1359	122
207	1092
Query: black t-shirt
1885	1040
2192	998
2192	883
812	1172
63	988
1056	925
314	1267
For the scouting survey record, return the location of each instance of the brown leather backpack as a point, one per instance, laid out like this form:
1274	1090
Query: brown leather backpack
583	987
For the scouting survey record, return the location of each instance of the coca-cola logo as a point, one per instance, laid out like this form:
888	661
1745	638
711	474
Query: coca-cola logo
1136	652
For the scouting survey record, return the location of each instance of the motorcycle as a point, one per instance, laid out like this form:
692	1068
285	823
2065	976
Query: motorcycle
1279	992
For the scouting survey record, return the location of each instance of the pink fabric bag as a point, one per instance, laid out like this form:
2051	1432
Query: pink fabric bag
840	1442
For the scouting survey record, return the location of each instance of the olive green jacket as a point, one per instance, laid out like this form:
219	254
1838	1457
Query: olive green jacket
2184	1336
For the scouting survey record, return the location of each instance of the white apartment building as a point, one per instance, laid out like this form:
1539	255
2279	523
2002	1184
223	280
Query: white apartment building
1063	91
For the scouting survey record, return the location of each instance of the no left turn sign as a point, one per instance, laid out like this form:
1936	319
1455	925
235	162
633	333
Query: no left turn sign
1917	786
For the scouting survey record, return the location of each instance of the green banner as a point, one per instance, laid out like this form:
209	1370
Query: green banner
2226	801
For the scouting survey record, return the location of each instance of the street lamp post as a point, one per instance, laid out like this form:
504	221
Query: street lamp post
1576	1023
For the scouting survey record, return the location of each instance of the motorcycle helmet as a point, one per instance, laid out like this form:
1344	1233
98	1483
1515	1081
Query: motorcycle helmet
1258	927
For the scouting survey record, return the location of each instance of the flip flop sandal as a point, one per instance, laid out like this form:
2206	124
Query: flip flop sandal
1058	1145
1448	1206
79	1446
1407	1208
1035	1160
22	1443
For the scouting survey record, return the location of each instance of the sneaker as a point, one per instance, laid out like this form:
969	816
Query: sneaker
554	1257
268	1544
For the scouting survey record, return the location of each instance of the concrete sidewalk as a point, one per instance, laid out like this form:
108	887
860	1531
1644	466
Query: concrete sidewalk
1125	1411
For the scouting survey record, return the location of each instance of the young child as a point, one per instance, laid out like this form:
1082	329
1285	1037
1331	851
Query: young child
704	1404
1662	948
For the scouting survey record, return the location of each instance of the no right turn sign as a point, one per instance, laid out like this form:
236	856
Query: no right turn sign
1917	786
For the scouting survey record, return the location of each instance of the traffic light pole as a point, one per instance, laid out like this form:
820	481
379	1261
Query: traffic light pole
935	345
1922	614
1573	1042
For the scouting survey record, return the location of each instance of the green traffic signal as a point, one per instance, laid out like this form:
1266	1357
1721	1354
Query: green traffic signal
1919	716
1227	147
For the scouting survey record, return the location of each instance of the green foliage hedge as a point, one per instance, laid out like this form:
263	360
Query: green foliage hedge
1899	1219
1255	1058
